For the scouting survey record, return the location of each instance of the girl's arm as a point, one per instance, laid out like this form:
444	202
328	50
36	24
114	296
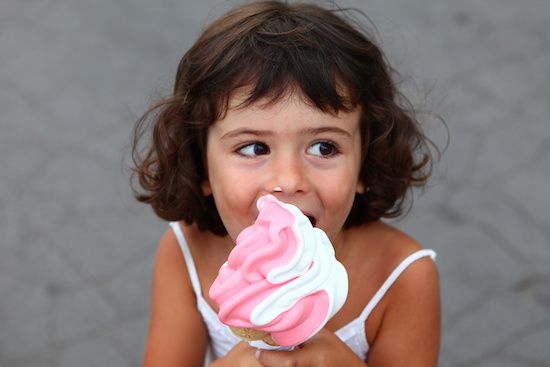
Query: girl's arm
177	335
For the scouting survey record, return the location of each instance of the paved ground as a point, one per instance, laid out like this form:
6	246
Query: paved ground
76	251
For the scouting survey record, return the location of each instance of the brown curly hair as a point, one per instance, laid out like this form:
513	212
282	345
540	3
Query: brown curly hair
270	48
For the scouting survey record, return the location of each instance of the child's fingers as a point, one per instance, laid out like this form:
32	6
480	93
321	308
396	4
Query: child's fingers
301	357
242	355
323	350
270	358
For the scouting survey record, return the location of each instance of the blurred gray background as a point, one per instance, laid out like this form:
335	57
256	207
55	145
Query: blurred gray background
76	250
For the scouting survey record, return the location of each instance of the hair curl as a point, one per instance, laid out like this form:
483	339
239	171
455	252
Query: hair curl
271	48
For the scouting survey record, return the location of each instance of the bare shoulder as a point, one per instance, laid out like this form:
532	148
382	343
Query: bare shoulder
170	270
177	336
418	285
410	325
387	243
393	246
169	256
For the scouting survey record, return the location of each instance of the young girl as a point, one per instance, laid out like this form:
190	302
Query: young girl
294	101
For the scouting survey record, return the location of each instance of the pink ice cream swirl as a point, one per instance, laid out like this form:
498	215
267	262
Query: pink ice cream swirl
281	277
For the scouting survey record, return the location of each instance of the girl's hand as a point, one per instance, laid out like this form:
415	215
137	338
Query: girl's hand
323	350
242	355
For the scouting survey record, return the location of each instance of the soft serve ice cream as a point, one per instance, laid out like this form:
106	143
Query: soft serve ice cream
281	282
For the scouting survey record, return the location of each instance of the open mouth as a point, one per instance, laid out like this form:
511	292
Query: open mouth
312	220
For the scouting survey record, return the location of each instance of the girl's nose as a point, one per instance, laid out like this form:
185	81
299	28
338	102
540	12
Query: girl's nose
289	176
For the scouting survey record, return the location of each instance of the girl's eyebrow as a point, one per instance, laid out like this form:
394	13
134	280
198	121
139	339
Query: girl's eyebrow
306	131
246	131
326	129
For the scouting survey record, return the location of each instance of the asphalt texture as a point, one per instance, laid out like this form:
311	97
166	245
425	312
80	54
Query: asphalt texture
76	250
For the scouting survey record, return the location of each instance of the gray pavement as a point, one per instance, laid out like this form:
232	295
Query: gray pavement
76	250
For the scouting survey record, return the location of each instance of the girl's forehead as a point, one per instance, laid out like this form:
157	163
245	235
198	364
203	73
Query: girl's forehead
285	115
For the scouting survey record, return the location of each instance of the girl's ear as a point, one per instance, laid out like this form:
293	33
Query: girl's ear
361	187
206	189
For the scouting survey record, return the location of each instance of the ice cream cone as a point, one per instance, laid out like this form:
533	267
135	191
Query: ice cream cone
249	334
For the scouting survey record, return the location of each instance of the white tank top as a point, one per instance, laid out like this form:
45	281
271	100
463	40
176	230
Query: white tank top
222	340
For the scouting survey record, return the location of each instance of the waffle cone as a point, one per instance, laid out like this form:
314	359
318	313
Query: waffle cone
250	335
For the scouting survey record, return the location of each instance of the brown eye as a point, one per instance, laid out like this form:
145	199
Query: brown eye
254	149
323	149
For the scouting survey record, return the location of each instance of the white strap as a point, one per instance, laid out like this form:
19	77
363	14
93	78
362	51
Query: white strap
392	278
188	258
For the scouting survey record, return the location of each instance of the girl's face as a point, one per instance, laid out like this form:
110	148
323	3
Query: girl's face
314	157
